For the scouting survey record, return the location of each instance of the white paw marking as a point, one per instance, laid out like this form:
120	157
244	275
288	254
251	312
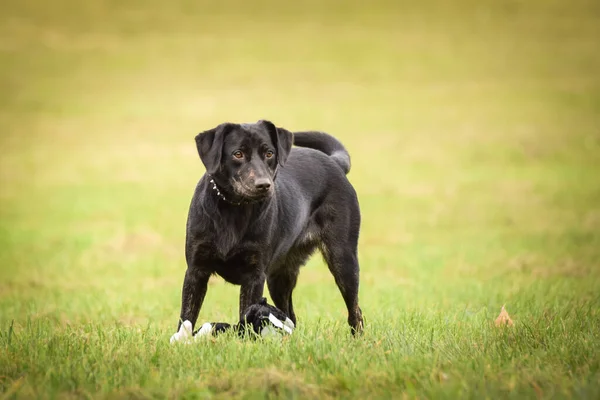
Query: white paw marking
184	334
205	330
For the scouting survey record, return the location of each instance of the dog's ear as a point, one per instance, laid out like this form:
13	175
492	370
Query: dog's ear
210	146
281	138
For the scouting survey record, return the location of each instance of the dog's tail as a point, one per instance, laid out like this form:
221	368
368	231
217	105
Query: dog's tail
327	144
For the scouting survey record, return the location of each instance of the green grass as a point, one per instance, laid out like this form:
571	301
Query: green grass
475	135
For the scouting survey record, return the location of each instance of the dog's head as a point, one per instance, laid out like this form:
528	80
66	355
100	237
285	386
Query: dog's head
243	158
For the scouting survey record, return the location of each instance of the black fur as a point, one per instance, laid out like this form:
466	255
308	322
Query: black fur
258	218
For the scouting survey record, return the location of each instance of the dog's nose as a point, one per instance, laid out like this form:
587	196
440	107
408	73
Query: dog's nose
262	183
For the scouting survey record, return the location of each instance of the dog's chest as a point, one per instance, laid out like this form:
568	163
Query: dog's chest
239	267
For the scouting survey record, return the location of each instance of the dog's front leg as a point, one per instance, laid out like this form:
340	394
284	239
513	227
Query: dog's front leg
251	292
192	295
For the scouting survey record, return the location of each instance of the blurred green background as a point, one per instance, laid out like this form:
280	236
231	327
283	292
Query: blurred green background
474	130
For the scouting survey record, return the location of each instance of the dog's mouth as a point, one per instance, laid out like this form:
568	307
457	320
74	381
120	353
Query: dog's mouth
250	194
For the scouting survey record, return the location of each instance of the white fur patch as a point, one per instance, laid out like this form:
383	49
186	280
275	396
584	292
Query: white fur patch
184	334
275	321
205	330
287	325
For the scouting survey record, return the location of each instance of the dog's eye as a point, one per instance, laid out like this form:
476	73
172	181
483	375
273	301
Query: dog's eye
269	154
238	154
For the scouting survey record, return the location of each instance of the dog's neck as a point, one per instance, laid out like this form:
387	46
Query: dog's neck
220	194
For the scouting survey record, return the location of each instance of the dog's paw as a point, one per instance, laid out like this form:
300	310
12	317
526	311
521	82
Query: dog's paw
211	329
184	334
205	330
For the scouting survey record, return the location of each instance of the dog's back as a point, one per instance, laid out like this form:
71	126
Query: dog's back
325	143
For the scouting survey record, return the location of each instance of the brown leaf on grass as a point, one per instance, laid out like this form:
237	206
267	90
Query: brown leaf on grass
504	319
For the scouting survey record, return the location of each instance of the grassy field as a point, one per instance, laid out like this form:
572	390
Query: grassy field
475	135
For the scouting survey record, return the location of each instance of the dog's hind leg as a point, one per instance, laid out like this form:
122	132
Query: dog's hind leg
342	261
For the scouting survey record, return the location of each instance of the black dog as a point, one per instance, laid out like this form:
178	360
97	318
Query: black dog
261	210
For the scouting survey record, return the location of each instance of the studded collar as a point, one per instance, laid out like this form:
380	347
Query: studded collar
222	196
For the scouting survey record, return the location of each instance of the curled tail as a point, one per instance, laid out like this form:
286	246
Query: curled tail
327	144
